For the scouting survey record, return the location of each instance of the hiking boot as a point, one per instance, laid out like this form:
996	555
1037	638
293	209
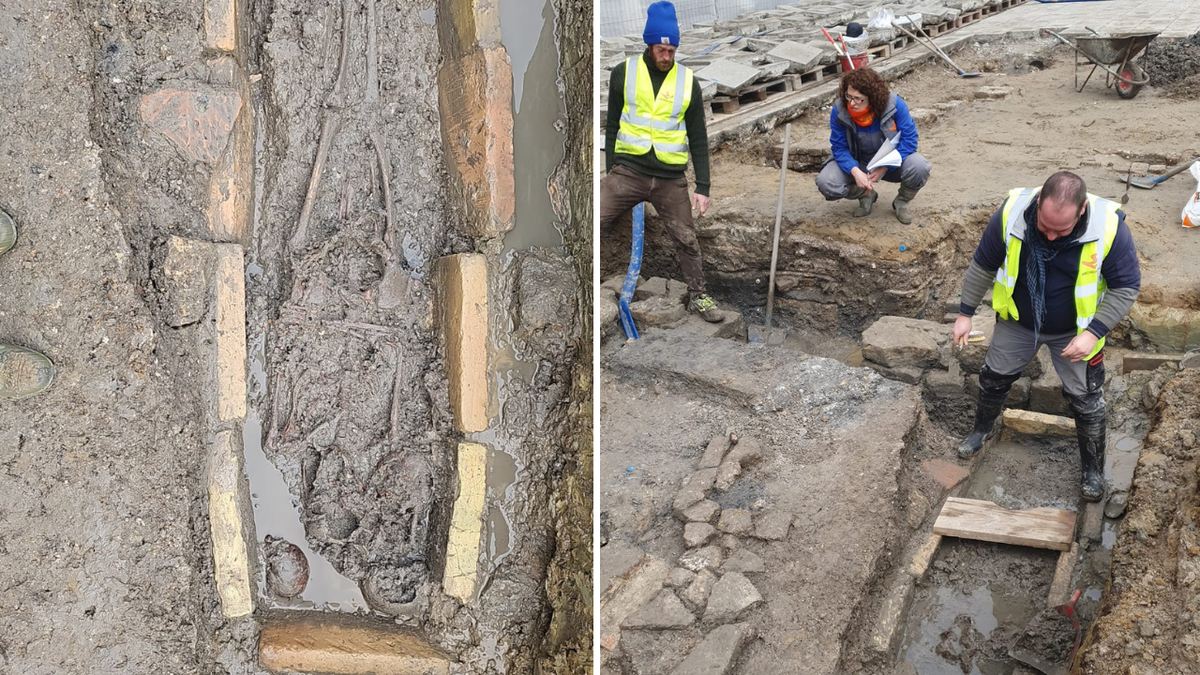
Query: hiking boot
23	372
8	232
993	389
865	203
706	307
900	204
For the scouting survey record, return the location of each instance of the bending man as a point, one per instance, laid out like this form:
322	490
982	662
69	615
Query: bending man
1063	271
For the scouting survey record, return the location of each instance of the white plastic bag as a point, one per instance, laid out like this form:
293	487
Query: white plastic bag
880	18
1191	210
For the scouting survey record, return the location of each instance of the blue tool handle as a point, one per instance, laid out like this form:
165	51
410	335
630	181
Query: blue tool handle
635	268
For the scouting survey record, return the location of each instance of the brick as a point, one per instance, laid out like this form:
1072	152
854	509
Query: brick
345	645
230	293
467	25
1033	423
220	25
466	523
231	186
944	472
197	121
462	297
187	270
227	529
475	101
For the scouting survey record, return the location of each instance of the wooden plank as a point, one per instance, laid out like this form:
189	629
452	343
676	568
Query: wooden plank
977	519
1132	361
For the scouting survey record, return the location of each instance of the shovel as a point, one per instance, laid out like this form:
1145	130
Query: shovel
1037	648
1148	183
932	46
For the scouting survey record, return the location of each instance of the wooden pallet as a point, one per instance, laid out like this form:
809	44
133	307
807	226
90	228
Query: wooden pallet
760	91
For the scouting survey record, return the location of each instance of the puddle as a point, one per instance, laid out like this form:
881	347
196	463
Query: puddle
539	119
1121	459
276	511
948	635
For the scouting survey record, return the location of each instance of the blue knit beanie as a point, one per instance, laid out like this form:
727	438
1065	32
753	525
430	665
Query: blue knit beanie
661	26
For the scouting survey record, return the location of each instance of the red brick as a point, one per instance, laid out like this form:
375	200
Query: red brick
944	472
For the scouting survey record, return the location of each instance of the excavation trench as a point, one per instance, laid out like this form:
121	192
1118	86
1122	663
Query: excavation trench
866	305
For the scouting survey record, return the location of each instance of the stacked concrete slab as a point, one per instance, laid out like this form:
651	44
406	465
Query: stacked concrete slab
774	42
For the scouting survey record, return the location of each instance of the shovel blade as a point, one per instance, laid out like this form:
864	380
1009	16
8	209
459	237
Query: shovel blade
1144	182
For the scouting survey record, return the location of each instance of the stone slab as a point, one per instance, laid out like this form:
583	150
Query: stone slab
729	76
1037	424
345	645
664	612
462	311
230	303
466	523
475	101
718	652
772	525
900	342
221	25
803	56
703	511
227	493
187	269
698	534
641	585
735	521
731	598
715	452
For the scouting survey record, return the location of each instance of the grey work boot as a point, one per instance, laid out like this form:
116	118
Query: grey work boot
23	372
8	232
900	204
706	307
865	201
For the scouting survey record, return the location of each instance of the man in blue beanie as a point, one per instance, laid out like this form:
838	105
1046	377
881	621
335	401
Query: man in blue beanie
655	121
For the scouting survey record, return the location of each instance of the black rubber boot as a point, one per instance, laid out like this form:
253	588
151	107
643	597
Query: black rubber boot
1091	425
993	389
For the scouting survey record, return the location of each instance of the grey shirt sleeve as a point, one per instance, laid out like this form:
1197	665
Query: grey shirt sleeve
976	283
1115	304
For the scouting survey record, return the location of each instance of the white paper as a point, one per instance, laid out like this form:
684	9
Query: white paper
887	155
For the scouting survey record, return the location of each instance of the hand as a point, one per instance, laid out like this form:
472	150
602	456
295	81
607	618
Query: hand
700	202
962	329
877	174
861	179
1081	346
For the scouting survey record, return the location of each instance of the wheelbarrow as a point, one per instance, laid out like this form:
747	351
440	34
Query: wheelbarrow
1115	55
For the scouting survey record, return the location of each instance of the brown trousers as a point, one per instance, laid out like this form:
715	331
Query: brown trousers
623	188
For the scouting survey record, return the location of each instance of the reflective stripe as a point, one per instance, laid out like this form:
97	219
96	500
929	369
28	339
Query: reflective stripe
634	140
1081	323
672	147
653	124
631	65
1085	291
677	110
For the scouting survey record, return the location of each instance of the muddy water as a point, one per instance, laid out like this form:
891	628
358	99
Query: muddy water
539	117
947	636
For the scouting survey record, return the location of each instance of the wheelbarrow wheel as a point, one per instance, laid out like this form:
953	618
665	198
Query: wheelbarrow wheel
1132	72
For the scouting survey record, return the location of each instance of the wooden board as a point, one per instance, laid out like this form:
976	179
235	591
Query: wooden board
977	519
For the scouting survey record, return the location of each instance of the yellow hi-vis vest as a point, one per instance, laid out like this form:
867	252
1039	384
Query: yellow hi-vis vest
1089	285
648	120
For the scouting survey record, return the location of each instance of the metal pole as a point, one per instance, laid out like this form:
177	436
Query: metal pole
783	167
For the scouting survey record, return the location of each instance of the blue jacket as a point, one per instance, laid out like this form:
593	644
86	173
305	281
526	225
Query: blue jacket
843	132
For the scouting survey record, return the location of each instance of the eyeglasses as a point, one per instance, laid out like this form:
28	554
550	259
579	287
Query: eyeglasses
856	99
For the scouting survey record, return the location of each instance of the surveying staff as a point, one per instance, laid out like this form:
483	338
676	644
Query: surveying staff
23	372
1063	271
654	106
865	115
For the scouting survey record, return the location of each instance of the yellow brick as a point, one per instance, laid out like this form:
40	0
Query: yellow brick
475	103
466	523
463	318
231	561
231	333
1036	424
232	183
345	645
220	24
467	25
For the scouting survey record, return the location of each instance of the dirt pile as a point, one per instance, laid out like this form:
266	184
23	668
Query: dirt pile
1171	61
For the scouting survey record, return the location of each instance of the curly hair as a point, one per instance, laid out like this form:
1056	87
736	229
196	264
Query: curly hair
869	83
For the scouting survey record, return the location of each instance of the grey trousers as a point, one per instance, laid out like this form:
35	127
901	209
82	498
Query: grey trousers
836	184
1013	348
